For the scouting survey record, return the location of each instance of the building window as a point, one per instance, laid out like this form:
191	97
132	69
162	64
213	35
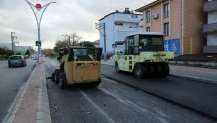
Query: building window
119	24
148	16
134	16
148	29
166	10
166	29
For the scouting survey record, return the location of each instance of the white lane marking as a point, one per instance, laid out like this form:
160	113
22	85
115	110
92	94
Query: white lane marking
97	107
126	102
155	110
163	120
133	105
161	113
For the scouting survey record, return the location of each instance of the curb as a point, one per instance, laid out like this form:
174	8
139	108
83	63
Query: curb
43	113
208	81
42	110
201	64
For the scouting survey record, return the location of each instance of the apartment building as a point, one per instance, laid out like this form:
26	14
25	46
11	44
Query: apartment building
181	21
115	26
210	29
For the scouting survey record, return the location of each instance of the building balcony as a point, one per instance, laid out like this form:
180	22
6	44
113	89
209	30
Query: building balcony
210	6
208	28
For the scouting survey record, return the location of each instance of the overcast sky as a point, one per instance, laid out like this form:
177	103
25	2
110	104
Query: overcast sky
64	17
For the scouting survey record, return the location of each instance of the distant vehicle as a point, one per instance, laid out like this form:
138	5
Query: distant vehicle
34	57
144	55
16	61
78	66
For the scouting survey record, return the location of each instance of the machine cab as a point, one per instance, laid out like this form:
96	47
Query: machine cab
140	42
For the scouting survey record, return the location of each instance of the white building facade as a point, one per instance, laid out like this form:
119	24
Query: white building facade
210	28
115	26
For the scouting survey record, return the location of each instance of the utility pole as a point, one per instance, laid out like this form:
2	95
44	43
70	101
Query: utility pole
104	34
100	26
69	38
12	41
73	39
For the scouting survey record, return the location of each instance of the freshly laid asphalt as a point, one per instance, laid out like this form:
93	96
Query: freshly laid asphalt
192	94
114	102
11	80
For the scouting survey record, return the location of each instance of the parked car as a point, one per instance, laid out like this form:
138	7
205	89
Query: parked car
16	61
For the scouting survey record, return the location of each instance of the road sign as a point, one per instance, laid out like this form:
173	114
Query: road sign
173	45
38	43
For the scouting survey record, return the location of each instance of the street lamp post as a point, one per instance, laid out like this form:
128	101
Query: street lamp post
38	18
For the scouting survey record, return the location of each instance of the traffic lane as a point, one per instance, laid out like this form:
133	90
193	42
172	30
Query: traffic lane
67	106
91	106
153	107
199	96
11	79
114	103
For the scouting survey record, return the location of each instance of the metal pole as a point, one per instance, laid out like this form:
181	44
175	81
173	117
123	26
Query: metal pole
38	20
104	31
39	39
101	26
12	42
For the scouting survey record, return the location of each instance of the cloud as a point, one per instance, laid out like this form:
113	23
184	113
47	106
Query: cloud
64	17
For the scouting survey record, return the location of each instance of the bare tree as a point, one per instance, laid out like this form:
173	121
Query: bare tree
72	39
69	40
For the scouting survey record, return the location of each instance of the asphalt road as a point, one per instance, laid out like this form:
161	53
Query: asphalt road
196	95
11	81
114	102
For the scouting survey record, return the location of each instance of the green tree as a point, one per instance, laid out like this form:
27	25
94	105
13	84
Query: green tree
27	53
18	54
4	51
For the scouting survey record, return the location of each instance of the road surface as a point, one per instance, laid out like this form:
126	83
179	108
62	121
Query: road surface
114	102
10	82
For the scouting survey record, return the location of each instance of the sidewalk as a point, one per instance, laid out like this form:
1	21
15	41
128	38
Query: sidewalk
202	74
31	104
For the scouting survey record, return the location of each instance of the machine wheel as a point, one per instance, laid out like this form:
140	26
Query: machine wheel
117	69
62	80
95	84
165	70
152	70
138	71
55	76
159	69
